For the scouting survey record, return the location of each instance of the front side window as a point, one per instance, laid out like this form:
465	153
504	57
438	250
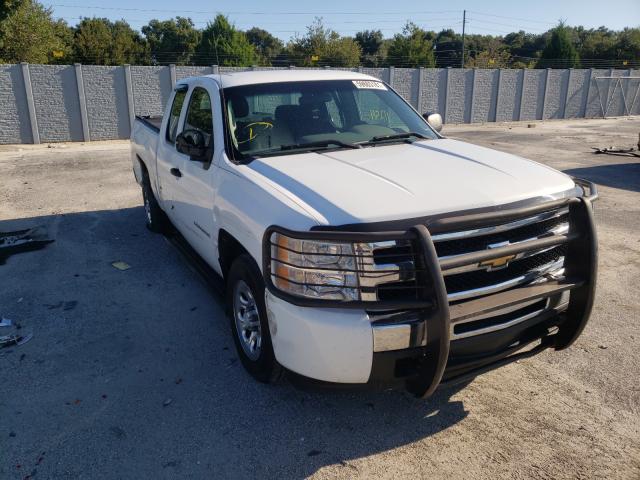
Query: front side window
281	118
200	115
174	114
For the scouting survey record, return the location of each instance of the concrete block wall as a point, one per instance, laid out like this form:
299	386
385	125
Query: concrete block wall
106	97
14	118
53	103
57	107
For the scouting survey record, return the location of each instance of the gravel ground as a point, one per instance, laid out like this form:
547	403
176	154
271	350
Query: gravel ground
133	374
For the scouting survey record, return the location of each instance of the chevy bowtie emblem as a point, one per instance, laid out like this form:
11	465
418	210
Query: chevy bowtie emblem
496	263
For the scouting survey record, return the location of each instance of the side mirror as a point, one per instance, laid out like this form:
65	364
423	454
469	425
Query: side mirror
434	119
192	142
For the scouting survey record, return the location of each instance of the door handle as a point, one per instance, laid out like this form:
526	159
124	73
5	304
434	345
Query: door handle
176	172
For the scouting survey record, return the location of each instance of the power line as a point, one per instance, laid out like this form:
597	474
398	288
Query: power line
526	20
271	12
528	29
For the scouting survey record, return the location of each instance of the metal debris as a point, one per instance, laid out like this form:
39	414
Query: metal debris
121	265
619	151
22	241
5	322
17	340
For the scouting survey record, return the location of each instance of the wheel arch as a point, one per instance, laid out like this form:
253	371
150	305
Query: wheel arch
229	248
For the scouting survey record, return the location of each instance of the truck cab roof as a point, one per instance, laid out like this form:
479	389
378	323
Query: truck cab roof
234	79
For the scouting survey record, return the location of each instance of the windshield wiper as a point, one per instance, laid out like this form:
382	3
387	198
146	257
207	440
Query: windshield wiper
319	144
397	136
310	146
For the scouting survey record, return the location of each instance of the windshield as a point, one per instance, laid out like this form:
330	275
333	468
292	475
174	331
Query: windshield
289	117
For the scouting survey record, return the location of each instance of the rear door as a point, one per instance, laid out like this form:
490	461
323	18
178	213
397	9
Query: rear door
169	160
195	188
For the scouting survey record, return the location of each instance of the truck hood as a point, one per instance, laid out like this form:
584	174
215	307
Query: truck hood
402	181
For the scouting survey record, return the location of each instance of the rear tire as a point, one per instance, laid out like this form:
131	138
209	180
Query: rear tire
156	219
248	316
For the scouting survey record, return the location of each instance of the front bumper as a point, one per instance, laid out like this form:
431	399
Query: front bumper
345	344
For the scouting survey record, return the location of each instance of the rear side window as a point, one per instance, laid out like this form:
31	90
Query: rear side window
174	115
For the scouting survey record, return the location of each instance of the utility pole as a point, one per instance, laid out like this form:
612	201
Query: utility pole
464	22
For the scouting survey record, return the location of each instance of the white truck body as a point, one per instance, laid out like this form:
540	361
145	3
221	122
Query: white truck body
387	183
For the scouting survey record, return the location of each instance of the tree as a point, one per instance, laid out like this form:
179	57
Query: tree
28	33
324	46
99	41
225	45
172	41
267	46
371	43
92	41
7	7
559	47
628	45
411	48
524	48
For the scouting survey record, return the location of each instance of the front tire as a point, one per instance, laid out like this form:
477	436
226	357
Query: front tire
248	316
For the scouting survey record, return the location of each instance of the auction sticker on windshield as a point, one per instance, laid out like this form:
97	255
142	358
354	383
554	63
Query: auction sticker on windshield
369	84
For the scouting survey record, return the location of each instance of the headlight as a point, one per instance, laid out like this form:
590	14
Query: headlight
314	269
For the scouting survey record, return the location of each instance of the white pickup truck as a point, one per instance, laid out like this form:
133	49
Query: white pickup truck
357	244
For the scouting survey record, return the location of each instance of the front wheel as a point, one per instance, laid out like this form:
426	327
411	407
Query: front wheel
249	324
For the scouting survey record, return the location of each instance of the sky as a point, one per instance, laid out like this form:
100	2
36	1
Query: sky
288	18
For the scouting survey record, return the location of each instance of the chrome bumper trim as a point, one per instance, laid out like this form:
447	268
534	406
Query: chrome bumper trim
400	336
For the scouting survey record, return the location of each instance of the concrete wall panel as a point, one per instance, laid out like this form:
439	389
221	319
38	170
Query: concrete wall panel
508	108
459	95
14	120
107	109
556	93
533	95
433	90
485	94
188	71
380	73
55	96
405	82
151	89
576	94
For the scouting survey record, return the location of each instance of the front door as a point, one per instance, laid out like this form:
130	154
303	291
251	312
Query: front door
194	195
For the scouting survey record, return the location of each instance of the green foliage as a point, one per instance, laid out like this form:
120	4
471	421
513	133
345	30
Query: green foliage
411	48
172	41
628	45
559	46
7	7
267	46
99	41
322	46
373	47
29	34
225	45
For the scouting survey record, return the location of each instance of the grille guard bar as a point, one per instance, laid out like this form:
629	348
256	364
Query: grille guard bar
580	280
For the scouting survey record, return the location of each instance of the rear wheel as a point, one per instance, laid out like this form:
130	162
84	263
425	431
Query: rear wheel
156	219
249	324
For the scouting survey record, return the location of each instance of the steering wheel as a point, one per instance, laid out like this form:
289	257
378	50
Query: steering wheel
253	130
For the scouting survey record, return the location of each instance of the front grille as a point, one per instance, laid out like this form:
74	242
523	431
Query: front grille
474	280
476	243
518	268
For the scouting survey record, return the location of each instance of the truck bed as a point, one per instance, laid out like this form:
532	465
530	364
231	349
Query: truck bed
151	121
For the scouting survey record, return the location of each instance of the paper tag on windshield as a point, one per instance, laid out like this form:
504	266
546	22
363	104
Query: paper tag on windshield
369	84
